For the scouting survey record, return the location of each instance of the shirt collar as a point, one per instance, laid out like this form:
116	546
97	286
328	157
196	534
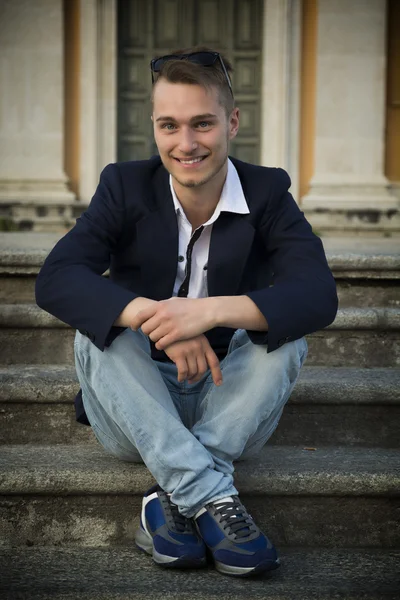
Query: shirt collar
232	197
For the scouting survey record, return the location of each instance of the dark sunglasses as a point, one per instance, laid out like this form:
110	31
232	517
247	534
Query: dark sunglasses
206	59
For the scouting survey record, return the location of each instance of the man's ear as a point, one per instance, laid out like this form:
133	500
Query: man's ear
234	123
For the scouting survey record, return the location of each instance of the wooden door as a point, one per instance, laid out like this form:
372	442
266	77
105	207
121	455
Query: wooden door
393	96
148	28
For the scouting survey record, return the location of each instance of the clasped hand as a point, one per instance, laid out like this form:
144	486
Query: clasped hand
174	320
176	326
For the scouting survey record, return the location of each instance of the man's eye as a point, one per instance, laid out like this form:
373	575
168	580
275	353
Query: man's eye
203	124
168	126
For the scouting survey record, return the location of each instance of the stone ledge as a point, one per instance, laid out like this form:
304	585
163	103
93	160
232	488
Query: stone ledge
362	262
22	316
367	318
55	384
24	254
339	220
354	266
279	470
126	574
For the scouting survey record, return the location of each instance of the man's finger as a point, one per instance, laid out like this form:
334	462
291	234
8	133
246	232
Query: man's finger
192	364
214	365
143	316
156	334
166	340
182	367
201	368
150	325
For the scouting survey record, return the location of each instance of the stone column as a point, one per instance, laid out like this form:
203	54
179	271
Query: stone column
349	190
33	185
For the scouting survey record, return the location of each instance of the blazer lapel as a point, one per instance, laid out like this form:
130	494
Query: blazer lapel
231	241
158	245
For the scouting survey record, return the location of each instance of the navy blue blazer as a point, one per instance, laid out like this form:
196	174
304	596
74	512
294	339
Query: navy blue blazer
130	227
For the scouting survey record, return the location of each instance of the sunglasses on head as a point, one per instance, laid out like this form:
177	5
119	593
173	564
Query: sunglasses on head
206	59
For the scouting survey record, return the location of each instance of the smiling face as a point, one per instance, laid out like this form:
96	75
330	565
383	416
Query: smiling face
192	132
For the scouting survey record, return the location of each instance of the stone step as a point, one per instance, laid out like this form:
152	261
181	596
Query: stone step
128	574
359	337
27	316
79	496
367	274
330	406
358	291
363	294
352	292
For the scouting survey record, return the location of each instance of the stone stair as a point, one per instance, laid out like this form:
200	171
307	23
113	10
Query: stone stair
326	487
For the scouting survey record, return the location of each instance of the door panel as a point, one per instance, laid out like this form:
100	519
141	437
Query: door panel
147	28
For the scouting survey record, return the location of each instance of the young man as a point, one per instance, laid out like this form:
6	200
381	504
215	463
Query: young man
188	353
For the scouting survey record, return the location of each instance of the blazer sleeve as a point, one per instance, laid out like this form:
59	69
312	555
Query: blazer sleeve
303	296
70	285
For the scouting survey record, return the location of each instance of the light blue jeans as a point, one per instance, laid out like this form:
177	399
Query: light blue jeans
187	435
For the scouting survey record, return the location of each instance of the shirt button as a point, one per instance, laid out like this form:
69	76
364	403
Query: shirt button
181	258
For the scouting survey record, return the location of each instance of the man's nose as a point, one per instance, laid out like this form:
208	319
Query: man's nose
187	142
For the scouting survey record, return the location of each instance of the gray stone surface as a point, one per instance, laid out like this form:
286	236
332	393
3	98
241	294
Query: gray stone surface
386	318
364	337
367	245
328	406
38	383
371	245
37	346
361	291
278	470
127	574
27	241
17	289
22	423
344	385
362	257
364	349
76	495
316	385
111	520
81	496
367	253
330	347
309	425
364	293
21	316
312	425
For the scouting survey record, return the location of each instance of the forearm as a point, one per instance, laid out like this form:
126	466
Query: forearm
177	319
237	312
131	310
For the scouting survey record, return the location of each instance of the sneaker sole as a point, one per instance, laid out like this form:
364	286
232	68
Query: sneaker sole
262	567
145	543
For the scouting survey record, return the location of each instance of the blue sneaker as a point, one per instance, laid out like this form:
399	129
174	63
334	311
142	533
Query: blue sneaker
168	536
237	544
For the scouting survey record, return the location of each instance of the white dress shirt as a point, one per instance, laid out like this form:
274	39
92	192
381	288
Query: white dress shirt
232	200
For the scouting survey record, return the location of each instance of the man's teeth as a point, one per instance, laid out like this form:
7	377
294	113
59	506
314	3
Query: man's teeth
190	162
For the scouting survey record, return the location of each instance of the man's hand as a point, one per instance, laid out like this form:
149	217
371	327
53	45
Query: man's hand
193	357
169	321
131	310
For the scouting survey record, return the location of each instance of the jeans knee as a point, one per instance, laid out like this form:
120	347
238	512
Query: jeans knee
277	368
113	447
289	358
297	350
83	349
